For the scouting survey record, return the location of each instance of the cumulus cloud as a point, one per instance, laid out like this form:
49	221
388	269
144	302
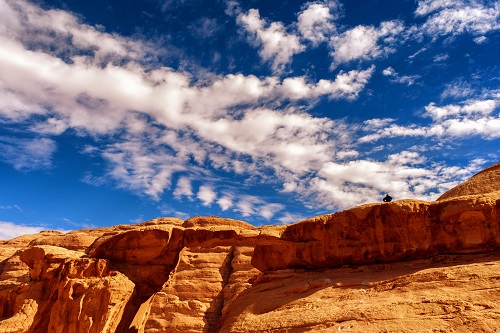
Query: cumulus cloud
249	205
225	202
207	195
447	17
160	123
246	205
365	42
480	40
196	122
137	167
277	45
316	21
441	57
9	230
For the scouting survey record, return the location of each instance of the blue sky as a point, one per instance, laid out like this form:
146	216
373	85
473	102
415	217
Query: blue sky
116	112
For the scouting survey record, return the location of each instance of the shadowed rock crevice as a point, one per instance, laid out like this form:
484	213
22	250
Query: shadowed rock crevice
147	258
214	312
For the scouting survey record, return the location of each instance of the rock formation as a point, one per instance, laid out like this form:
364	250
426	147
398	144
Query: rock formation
403	266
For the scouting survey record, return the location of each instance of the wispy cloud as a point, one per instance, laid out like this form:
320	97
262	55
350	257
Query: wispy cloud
27	154
471	117
403	79
9	230
15	208
183	188
446	17
288	218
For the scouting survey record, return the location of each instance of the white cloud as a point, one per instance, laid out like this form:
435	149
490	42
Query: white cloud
61	33
269	210
225	202
289	218
472	117
425	7
470	108
277	45
162	122
441	57
207	195
15	208
167	210
458	89
403	79
346	85
27	154
183	188
480	39
402	175
315	21
137	167
88	98
447	17
249	205
246	206
365	42
9	230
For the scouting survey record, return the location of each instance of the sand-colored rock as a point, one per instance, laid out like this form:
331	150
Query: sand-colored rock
404	266
388	232
485	181
65	293
441	294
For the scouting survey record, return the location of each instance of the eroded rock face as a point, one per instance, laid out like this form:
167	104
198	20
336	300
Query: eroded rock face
66	293
485	181
388	232
342	271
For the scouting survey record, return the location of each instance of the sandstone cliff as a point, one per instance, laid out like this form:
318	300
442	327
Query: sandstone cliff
404	266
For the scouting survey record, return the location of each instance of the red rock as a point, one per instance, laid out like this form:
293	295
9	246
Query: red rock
402	266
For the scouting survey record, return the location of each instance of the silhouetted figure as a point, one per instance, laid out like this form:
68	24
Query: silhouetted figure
387	198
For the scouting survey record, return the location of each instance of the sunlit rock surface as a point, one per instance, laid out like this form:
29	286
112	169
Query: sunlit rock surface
403	266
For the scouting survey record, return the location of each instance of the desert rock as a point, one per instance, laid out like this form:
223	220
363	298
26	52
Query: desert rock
403	266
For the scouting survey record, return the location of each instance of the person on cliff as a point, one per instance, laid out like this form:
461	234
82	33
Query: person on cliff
387	198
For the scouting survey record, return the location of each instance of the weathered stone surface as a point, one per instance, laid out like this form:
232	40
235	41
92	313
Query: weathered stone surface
400	230
485	181
448	293
65	293
403	266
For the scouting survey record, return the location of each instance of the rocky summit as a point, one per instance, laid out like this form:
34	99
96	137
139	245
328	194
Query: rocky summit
402	266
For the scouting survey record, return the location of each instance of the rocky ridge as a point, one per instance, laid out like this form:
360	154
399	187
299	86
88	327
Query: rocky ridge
403	266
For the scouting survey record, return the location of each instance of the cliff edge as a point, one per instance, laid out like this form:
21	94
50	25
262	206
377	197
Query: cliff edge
403	266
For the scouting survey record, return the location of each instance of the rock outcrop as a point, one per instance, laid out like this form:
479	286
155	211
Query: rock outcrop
403	266
484	182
